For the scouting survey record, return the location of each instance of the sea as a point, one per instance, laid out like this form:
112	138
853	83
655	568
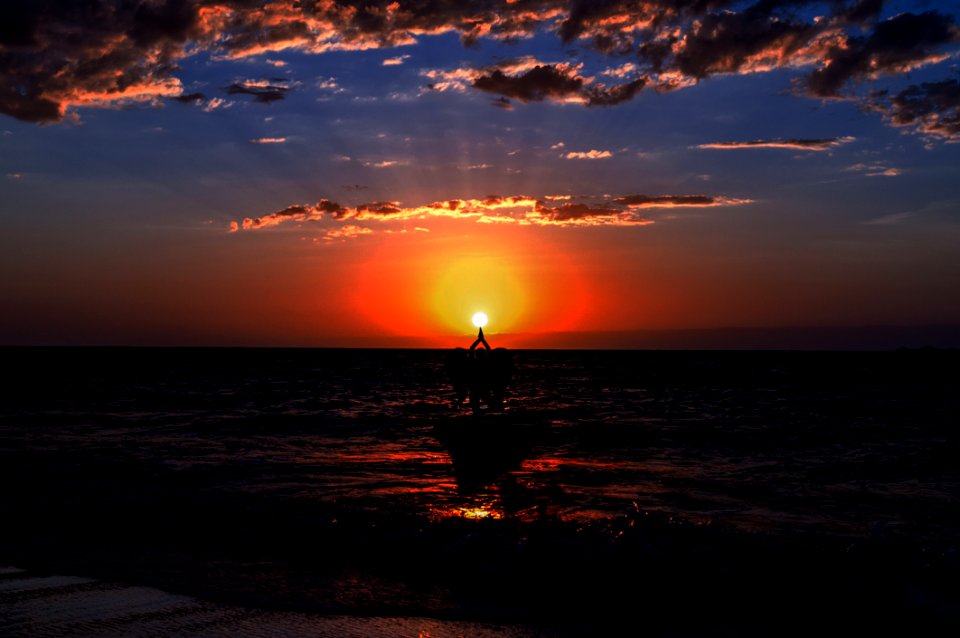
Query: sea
343	492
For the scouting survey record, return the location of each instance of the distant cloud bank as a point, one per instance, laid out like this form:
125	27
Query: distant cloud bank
550	210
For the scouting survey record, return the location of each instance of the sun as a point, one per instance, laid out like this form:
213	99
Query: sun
479	319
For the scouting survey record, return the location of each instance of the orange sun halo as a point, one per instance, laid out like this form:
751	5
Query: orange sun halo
432	289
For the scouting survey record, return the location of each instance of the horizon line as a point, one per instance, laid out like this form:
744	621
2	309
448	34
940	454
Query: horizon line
880	337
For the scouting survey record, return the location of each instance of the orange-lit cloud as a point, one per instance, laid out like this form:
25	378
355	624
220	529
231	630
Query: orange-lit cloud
516	209
395	61
268	140
823	144
624	70
591	154
216	103
296	212
346	232
53	61
874	169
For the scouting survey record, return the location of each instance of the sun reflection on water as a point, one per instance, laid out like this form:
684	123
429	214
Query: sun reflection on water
488	507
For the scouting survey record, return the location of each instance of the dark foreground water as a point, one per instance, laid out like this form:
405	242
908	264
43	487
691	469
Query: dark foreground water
679	493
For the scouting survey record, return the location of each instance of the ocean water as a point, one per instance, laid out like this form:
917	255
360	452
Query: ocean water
616	484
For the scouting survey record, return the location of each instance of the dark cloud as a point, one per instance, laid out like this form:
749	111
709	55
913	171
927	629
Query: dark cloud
603	96
534	85
60	55
860	12
379	208
734	42
190	98
646	201
931	107
502	103
262	91
327	206
556	82
896	45
570	211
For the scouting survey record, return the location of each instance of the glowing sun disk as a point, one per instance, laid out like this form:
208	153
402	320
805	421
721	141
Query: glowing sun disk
479	319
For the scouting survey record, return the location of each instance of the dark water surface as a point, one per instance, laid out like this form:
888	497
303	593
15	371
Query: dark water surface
689	492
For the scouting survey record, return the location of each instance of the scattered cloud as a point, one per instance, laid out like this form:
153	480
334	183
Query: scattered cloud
269	140
591	154
330	85
875	169
216	103
276	63
894	219
384	163
821	144
14	175
396	61
557	146
624	70
549	210
678	201
348	231
263	91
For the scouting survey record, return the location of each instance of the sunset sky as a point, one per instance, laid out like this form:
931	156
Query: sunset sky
232	172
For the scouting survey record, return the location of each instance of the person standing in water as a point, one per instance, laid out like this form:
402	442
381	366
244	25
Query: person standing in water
480	377
480	374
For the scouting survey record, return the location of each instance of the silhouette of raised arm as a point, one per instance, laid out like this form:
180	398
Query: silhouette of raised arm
480	340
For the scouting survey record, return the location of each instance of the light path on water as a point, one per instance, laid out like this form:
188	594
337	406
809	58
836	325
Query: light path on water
53	606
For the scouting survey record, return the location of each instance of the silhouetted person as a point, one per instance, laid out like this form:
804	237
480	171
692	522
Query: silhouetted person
480	374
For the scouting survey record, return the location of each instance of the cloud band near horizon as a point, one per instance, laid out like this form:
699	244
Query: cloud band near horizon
516	209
